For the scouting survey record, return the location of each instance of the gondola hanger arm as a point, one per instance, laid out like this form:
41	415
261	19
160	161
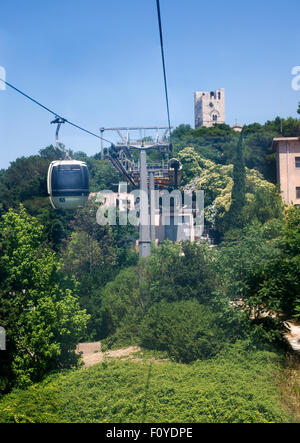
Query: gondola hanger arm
59	121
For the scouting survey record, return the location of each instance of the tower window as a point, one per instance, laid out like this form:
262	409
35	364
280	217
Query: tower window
297	192
219	95
297	162
212	94
215	117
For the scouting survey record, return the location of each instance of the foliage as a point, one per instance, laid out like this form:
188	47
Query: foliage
95	254
229	281
174	272
184	136
38	309
289	127
263	201
102	174
242	264
261	277
187	299
24	180
219	390
219	142
263	205
281	283
177	272
234	217
185	329
122	307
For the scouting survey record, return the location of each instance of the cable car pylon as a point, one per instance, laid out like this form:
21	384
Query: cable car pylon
145	175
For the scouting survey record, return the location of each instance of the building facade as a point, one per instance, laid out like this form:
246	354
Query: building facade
288	168
237	127
209	108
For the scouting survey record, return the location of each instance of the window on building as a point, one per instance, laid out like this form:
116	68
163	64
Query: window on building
298	192
219	95
215	117
297	162
212	94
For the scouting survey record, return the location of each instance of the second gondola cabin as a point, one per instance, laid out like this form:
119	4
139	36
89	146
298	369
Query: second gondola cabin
68	184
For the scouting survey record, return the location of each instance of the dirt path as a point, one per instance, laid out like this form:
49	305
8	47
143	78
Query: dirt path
92	354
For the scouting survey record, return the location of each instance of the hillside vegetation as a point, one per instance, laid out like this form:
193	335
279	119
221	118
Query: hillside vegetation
218	313
236	387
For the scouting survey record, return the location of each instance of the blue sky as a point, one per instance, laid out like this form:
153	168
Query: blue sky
98	64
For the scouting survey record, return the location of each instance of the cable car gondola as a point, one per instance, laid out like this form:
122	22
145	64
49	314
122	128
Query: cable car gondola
68	180
68	184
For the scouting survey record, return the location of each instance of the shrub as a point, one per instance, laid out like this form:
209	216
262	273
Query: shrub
121	309
187	330
237	386
177	272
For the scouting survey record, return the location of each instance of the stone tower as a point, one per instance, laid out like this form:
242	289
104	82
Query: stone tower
209	108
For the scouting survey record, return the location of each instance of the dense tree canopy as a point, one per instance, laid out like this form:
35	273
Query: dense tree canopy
39	309
262	199
234	217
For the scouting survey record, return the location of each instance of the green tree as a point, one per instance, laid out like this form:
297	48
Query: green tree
281	282
234	217
263	201
244	266
263	205
122	308
94	255
174	272
186	329
179	272
51	153
25	179
39	308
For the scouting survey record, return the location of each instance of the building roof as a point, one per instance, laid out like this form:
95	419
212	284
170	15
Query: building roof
283	139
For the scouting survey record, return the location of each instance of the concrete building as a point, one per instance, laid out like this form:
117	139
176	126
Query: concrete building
288	167
176	226
209	108
168	225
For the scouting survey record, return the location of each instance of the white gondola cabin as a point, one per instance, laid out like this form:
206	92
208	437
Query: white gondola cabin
68	184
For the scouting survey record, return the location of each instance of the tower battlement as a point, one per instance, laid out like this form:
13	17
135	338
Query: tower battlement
209	107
